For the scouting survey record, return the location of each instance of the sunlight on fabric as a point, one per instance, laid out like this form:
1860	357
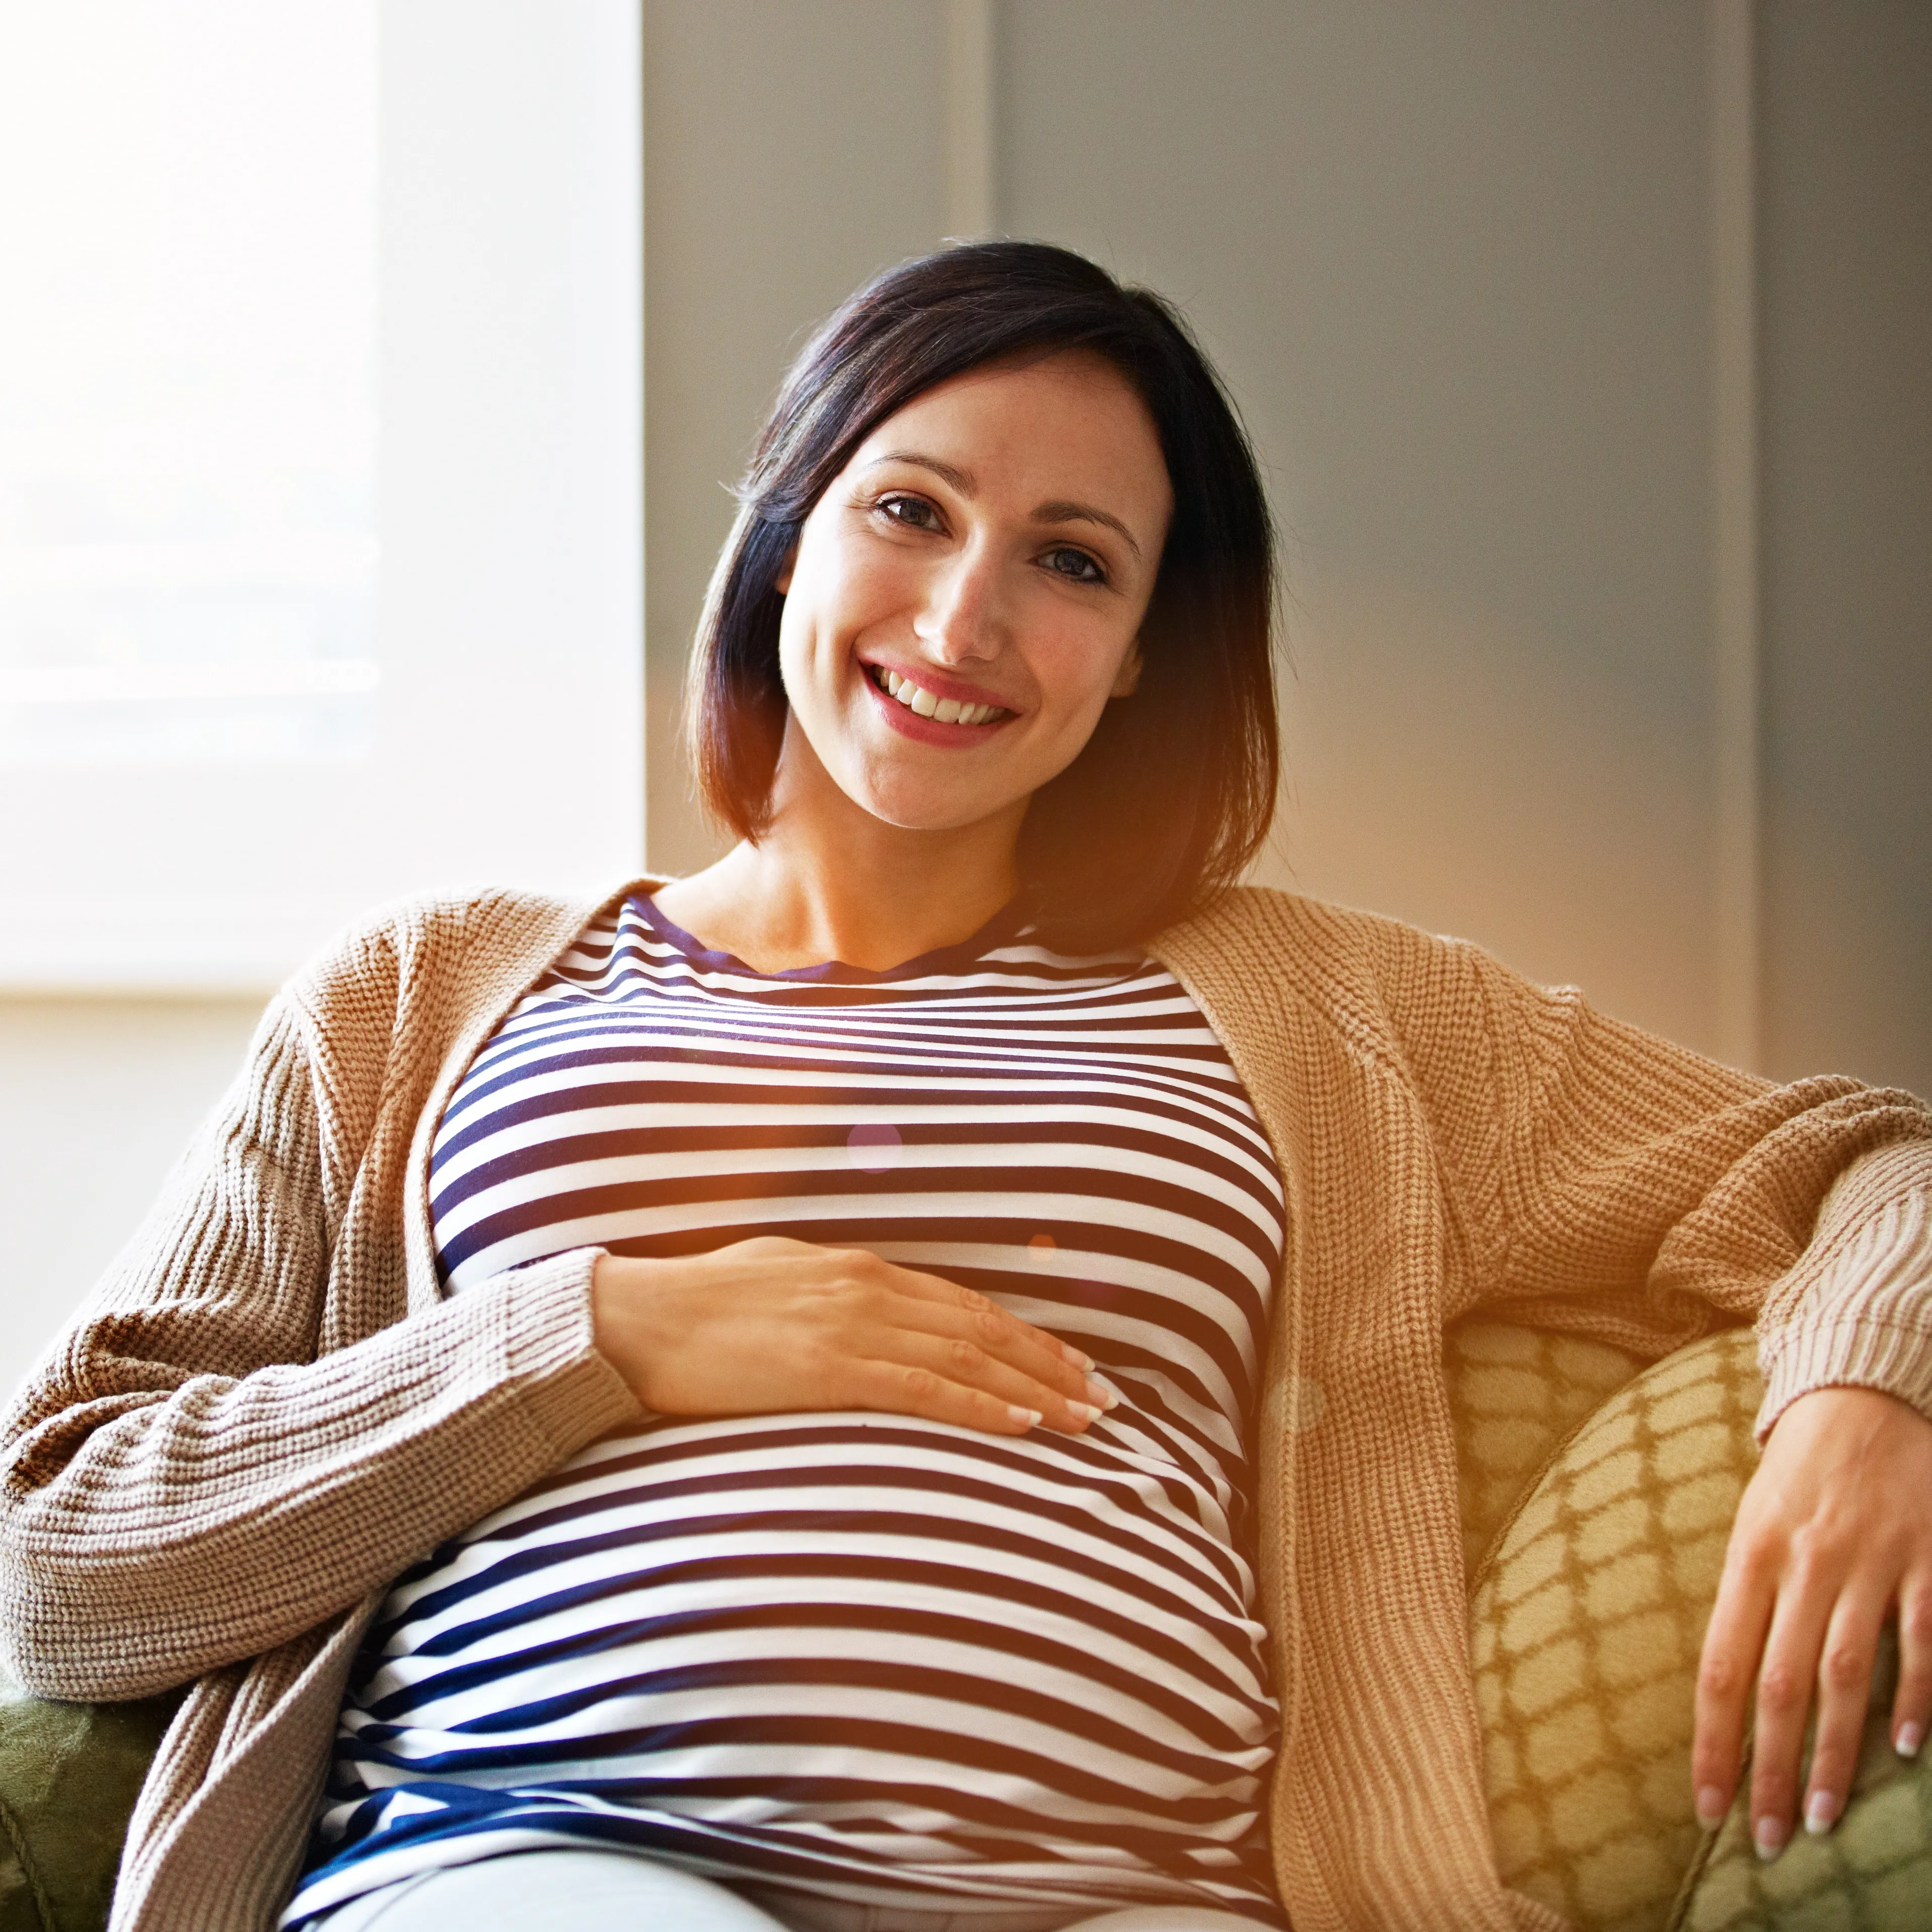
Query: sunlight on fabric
187	428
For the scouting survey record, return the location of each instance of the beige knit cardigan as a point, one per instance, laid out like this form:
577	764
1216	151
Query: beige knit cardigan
269	1409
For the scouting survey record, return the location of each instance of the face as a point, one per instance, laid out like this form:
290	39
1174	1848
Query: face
966	595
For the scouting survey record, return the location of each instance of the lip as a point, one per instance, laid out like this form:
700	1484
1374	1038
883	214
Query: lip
929	730
938	683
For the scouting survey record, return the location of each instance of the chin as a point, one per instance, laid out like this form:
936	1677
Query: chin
909	815
920	805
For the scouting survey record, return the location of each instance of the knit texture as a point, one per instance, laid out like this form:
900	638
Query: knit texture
269	1410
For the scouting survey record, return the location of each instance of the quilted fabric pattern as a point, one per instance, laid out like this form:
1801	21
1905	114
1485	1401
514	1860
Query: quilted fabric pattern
1872	1874
1516	1394
1585	1624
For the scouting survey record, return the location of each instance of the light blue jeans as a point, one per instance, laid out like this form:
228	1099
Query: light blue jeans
587	1890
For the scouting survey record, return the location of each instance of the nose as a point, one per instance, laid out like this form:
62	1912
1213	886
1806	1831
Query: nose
961	619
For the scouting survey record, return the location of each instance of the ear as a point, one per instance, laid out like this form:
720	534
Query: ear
1126	679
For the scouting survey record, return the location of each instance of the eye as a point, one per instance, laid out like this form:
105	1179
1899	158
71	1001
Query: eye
1076	565
915	512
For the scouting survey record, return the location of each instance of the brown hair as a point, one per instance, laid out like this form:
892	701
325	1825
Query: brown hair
1171	795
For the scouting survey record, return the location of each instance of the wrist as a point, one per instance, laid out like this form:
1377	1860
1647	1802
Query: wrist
619	1330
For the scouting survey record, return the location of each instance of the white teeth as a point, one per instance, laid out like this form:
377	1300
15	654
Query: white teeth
942	710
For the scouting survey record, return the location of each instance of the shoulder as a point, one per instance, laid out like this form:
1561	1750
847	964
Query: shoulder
1276	966
1282	944
437	953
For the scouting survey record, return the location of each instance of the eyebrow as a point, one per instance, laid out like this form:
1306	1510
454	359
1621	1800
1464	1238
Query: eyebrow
1060	511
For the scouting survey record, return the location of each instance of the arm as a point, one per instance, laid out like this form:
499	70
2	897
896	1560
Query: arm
185	1483
1832	1537
1604	1180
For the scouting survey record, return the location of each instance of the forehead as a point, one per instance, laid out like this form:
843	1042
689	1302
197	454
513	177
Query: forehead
1025	419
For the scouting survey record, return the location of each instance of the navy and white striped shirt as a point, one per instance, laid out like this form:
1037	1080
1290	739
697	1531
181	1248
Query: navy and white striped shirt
890	1660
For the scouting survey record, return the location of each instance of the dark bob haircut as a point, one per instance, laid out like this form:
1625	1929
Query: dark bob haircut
1172	795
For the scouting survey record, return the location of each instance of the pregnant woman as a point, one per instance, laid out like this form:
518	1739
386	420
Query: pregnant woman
893	1385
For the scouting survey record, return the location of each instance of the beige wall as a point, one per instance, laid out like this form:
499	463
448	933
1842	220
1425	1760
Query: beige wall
1456	263
789	151
1453	262
1846	102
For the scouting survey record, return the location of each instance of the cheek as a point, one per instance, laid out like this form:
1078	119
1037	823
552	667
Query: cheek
1076	671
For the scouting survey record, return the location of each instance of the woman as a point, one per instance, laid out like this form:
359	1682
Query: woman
896	1380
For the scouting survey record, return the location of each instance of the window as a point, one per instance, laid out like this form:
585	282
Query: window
320	470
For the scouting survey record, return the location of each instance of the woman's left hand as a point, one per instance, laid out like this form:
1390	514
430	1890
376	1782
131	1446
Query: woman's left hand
1833	1536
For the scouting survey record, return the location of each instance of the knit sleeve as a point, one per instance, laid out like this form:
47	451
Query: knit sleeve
185	1481
1605	1180
1856	1309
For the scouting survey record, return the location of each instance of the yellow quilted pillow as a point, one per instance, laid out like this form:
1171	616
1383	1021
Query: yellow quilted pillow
1516	1395
1586	1619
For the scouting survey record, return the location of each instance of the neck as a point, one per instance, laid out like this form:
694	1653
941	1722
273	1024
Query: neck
828	880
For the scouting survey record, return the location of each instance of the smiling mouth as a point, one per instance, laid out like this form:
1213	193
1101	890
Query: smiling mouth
918	699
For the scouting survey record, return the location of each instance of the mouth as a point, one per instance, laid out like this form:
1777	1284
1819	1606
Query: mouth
923	703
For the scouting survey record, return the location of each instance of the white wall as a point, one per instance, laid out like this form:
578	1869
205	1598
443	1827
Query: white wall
96	1098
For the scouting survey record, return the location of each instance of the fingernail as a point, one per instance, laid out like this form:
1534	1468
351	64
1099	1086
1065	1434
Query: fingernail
1079	1357
1026	1418
1083	1412
1820	1813
1767	1834
1910	1737
1099	1393
1711	1806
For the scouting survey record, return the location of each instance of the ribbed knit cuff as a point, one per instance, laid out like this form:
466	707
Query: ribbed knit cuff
1853	1354
1862	1317
568	1394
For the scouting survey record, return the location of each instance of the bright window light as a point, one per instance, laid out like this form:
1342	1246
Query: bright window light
321	471
187	423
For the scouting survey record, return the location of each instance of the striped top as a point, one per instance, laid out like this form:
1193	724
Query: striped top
889	1660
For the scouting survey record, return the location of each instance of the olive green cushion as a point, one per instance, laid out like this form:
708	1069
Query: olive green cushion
69	1776
1873	1874
1587	1616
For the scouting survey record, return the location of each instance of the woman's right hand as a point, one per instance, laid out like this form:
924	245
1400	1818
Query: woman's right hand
773	1325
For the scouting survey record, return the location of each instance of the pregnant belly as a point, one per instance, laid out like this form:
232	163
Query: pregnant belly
908	1643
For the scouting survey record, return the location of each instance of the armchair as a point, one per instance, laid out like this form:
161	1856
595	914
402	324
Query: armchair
1596	1502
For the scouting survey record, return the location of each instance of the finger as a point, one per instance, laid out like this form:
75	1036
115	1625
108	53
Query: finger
1844	1693
1784	1683
1733	1641
964	1362
944	1308
902	1388
937	1289
1911	1708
